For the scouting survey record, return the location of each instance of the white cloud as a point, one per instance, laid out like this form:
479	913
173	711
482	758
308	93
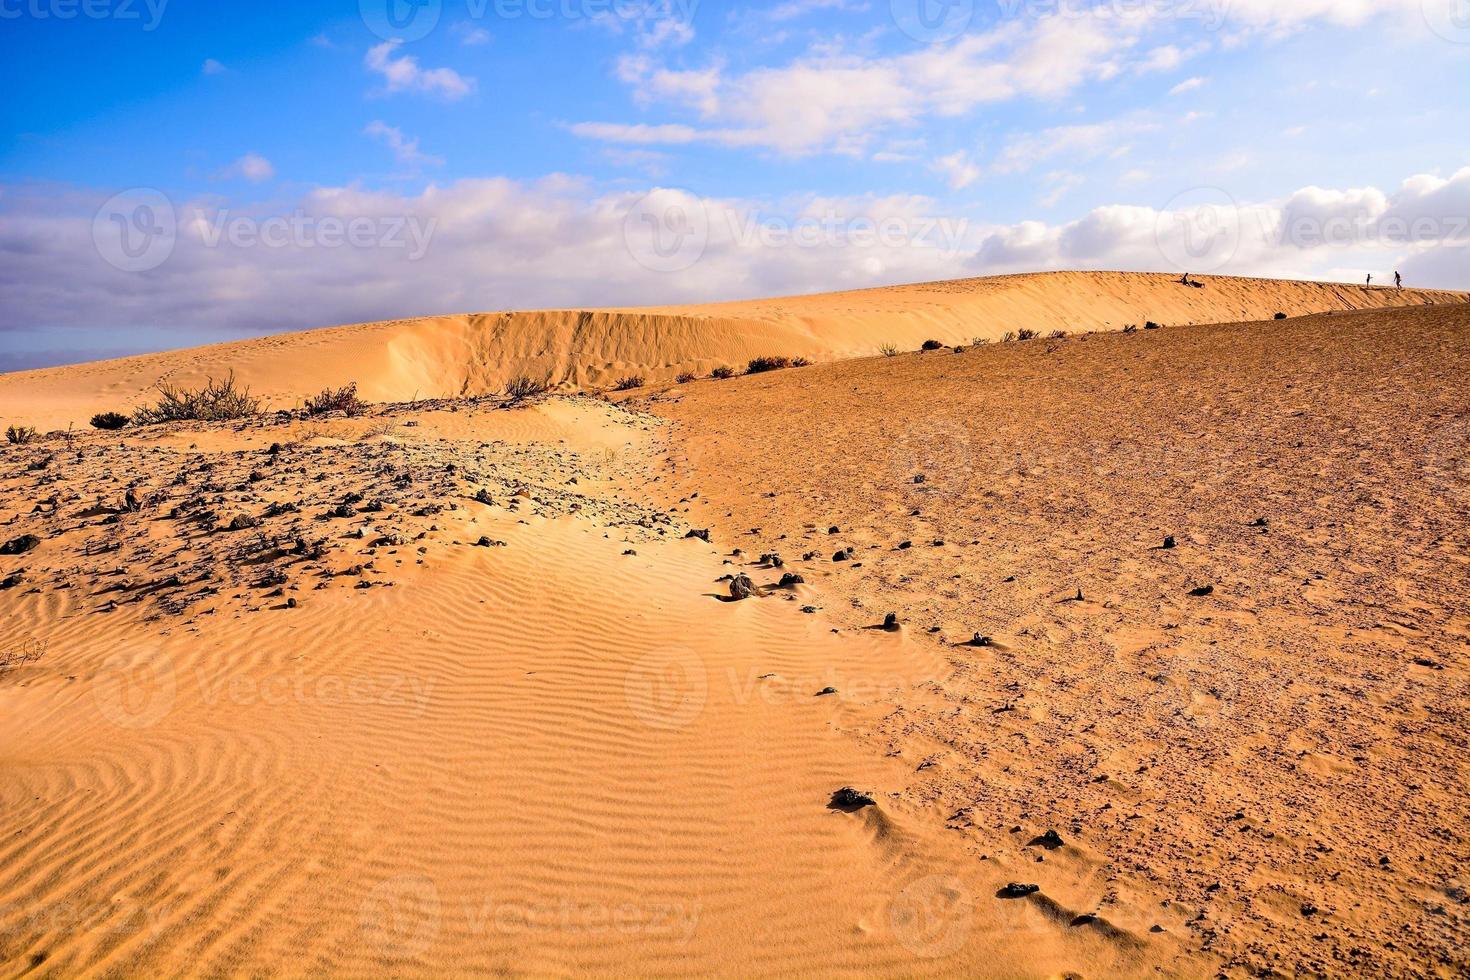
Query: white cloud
472	36
252	167
958	169
406	150
1188	85
403	74
557	242
831	101
212	67
1085	141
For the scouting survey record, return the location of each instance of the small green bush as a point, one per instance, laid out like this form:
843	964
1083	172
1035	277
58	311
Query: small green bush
888	350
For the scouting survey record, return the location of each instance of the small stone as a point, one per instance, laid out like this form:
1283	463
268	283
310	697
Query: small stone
850	799
741	587
1014	890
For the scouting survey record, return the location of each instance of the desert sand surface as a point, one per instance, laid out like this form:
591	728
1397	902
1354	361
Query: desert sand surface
476	354
458	685
1259	732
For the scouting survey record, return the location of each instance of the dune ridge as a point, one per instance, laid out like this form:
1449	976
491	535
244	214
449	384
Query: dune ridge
477	353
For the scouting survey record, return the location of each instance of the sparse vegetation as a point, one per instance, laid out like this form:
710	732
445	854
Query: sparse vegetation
1026	333
760	365
523	386
888	350
932	345
685	377
1131	328
1008	337
217	401
1150	325
19	435
800	362
722	372
1281	316
1057	335
342	399
979	341
110	421
629	383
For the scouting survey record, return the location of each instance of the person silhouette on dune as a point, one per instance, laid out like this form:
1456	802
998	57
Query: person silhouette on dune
1398	281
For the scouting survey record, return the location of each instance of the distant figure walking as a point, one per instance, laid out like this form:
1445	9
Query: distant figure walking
1398	281
1370	278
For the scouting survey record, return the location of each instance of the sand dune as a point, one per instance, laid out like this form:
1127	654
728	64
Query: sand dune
475	354
456	687
1260	726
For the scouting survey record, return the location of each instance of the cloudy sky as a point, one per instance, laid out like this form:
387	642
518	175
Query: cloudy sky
176	172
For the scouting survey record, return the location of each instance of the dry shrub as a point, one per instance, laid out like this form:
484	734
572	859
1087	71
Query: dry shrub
722	372
342	399
217	401
524	386
760	365
109	421
629	383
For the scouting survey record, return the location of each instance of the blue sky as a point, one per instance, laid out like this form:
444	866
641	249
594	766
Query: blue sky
521	138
